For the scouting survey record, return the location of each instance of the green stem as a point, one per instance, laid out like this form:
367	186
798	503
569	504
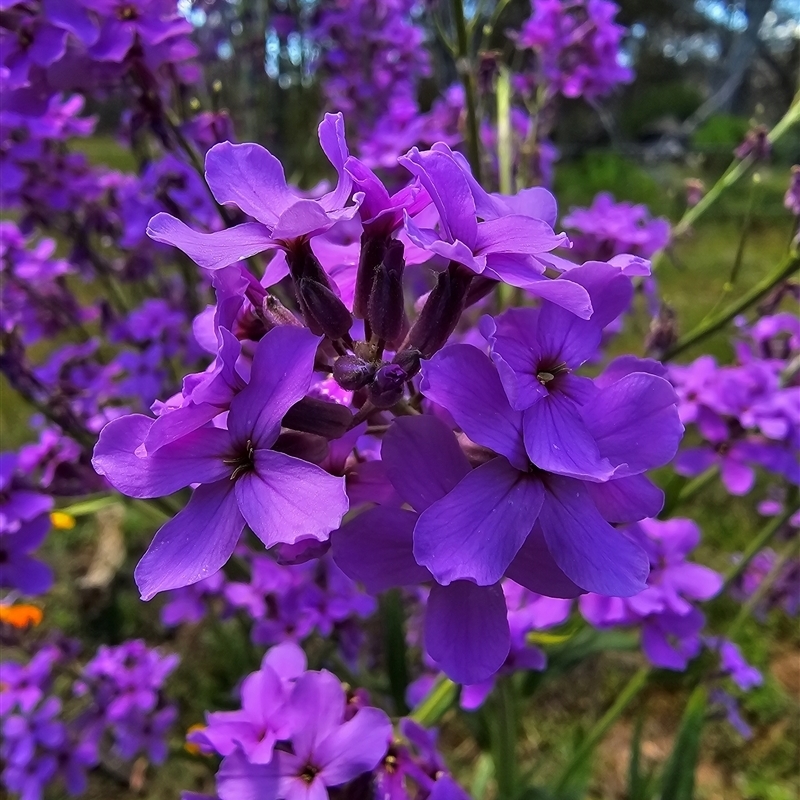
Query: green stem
601	727
504	129
761	541
504	739
789	265
761	591
467	74
692	488
438	701
734	172
392	617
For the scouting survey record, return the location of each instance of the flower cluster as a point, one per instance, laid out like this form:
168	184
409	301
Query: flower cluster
576	47
296	732
671	626
532	478
746	414
50	737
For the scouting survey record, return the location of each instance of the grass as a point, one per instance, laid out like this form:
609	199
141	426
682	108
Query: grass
693	281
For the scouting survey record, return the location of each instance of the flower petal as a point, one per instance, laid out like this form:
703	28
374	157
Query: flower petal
251	178
355	747
635	422
195	543
534	568
463	380
466	630
422	459
238	779
211	250
283	366
286	499
591	553
475	531
197	457
557	439
626	499
377	549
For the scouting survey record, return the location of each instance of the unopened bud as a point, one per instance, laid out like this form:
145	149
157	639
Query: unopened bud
323	311
274	313
319	417
387	387
386	307
372	252
352	372
442	311
409	361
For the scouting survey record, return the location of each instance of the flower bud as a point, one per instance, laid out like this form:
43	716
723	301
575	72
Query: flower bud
322	310
352	372
441	312
319	417
373	250
386	307
387	387
409	361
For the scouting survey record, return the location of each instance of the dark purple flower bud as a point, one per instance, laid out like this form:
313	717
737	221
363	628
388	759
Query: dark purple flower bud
756	144
323	311
319	417
792	197
441	312
387	387
352	372
663	332
409	361
373	250
695	189
302	445
385	308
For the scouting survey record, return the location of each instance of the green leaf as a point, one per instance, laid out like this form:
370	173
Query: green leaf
677	779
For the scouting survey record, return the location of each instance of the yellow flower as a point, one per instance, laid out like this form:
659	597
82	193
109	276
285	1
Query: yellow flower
189	746
62	521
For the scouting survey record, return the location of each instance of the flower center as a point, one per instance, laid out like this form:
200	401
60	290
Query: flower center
309	773
242	462
127	12
544	376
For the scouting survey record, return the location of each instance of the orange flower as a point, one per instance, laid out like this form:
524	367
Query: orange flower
20	616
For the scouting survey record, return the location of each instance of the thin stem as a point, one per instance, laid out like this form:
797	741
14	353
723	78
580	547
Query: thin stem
789	265
692	488
443	695
504	738
760	542
761	591
504	129
467	74
601	727
392	619
735	171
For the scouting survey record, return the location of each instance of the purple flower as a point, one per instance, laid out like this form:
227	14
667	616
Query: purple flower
327	751
264	718
17	569
18	504
477	529
502	247
608	229
252	179
466	627
241	478
537	352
